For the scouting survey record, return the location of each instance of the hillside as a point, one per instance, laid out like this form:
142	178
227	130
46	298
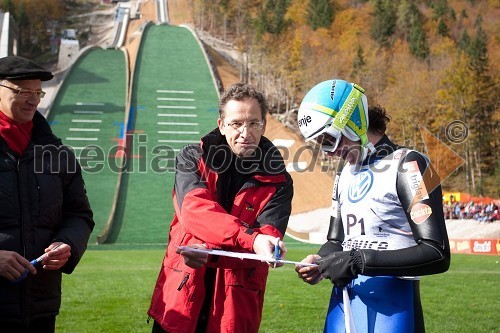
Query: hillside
402	52
312	191
458	229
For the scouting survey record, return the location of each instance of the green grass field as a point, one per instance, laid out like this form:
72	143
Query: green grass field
110	292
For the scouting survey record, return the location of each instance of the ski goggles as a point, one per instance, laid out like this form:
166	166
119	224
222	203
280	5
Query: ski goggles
329	140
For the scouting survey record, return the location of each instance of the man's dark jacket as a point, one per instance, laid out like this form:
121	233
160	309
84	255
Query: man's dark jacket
42	200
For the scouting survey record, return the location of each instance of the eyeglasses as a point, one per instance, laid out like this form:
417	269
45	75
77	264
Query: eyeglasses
253	125
25	93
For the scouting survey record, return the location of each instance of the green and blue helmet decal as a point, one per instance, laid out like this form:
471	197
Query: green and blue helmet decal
338	104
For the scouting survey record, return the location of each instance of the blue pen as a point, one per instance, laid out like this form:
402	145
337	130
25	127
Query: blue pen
277	250
34	262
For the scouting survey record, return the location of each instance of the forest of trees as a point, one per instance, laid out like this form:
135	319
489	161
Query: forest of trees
40	22
431	64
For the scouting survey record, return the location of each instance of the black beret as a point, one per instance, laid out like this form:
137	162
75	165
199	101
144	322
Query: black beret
19	68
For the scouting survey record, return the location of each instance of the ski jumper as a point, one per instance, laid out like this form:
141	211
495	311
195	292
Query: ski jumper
389	209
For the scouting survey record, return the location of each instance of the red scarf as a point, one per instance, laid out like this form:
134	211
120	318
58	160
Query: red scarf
17	136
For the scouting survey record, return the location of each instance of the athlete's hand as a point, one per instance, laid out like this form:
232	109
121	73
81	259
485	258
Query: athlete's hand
13	265
194	259
309	274
341	267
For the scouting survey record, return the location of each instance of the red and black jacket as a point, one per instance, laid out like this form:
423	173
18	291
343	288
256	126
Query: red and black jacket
225	203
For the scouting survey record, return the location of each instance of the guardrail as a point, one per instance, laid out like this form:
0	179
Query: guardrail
121	25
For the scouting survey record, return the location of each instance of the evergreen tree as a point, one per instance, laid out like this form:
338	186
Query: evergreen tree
442	13
464	41
8	7
319	14
463	14
485	101
440	8
359	61
478	49
261	23
443	29
405	15
272	18
418	42
279	23
384	22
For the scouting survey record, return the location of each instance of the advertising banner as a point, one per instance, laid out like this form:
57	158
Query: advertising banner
475	246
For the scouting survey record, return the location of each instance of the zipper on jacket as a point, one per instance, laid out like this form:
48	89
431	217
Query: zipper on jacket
22	226
183	282
12	157
20	202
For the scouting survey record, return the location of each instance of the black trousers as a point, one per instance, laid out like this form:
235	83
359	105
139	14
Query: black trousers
157	328
43	325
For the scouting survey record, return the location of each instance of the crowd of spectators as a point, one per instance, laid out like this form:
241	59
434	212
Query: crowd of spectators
483	213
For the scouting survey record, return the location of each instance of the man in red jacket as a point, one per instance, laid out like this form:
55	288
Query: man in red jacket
231	192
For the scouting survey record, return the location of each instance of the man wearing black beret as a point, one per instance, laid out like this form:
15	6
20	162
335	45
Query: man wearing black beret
45	216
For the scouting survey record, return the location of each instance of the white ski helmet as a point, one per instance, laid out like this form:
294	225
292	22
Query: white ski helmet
335	107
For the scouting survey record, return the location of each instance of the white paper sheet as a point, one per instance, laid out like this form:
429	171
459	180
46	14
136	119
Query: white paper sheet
240	255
